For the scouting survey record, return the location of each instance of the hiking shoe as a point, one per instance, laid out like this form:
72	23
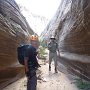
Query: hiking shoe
56	71
49	68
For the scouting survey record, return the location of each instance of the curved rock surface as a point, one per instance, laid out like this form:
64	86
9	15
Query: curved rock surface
13	30
71	26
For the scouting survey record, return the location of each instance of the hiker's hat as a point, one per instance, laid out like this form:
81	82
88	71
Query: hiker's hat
34	37
52	37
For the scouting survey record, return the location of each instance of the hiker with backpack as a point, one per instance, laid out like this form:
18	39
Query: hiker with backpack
29	55
53	47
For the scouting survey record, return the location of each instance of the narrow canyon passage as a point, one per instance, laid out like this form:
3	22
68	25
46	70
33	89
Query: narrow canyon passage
46	80
71	28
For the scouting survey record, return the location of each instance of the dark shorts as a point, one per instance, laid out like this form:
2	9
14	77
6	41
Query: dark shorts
32	81
32	72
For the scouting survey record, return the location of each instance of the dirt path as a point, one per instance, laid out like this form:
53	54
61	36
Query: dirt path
46	81
54	81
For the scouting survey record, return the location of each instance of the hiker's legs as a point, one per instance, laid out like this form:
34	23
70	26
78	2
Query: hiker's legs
55	61
50	60
32	83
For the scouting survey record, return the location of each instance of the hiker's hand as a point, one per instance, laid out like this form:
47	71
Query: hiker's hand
26	70
27	74
28	77
39	65
57	53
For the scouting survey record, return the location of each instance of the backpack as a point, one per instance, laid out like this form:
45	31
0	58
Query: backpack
21	50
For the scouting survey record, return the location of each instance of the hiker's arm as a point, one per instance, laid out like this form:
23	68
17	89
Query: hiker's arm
57	49
26	64
48	46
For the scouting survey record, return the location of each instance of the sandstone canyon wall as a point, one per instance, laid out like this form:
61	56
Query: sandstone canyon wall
71	27
13	30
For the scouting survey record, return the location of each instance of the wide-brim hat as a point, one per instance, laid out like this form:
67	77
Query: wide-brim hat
52	37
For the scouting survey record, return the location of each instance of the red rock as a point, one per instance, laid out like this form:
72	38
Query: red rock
13	31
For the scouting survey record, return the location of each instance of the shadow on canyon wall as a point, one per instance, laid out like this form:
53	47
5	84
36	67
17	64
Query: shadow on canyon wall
14	30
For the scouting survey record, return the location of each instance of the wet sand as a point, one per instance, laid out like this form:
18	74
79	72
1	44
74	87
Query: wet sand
46	81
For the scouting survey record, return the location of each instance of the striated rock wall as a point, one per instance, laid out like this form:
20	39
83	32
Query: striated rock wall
71	26
14	30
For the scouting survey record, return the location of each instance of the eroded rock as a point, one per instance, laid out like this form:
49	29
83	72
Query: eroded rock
14	30
71	26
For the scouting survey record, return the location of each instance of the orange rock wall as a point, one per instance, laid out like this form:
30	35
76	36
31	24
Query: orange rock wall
14	30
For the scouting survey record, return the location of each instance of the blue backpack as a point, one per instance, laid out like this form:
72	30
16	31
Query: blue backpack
21	50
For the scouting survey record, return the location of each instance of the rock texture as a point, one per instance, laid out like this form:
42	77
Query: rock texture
71	26
14	30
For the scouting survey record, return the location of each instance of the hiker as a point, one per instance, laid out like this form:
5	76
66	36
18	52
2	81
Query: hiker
31	65
53	47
